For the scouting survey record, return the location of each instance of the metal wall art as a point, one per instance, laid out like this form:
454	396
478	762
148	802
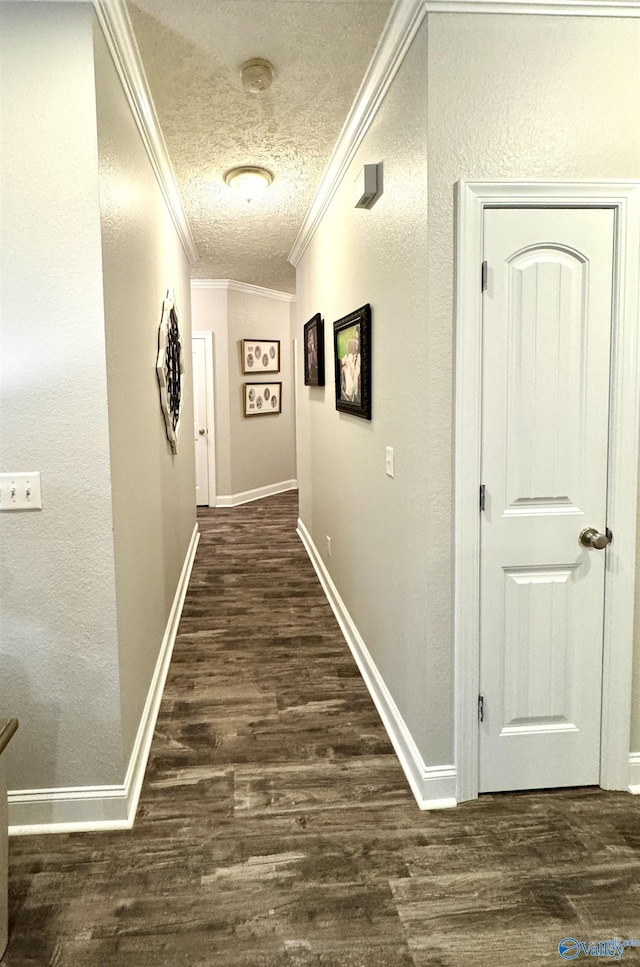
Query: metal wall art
170	369
260	356
352	351
314	351
261	399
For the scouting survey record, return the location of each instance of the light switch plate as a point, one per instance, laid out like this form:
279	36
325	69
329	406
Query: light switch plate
388	462
20	491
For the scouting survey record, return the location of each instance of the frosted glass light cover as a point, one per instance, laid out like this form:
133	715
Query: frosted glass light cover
249	182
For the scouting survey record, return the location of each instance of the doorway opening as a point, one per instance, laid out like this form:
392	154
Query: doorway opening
204	418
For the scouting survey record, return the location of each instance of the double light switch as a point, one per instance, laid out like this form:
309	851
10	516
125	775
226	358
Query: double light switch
20	491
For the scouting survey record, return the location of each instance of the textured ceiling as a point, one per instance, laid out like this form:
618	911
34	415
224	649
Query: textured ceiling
192	51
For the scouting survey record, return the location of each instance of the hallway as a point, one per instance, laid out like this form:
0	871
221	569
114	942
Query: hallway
276	828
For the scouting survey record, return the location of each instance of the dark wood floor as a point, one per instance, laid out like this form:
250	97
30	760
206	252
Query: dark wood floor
276	828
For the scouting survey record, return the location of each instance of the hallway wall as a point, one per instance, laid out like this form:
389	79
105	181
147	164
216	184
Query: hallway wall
477	96
390	540
263	448
152	488
58	633
87	584
252	453
533	98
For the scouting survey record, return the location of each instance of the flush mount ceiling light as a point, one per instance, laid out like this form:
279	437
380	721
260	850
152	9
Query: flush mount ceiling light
248	181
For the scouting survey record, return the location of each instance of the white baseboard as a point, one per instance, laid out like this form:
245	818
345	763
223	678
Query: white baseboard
94	808
71	810
434	787
233	500
634	773
140	753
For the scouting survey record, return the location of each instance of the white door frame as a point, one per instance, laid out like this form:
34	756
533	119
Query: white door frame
622	501
211	426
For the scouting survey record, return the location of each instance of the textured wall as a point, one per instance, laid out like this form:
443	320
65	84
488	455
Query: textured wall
153	489
390	537
262	448
58	648
520	97
250	452
483	97
209	314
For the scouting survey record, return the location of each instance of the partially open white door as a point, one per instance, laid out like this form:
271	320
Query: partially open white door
547	316
203	422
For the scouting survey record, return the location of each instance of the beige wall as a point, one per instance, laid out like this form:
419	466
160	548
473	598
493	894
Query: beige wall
251	453
388	536
477	96
262	448
153	489
58	637
527	98
88	250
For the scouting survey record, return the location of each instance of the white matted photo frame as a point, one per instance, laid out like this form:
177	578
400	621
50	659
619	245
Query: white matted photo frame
262	399
260	356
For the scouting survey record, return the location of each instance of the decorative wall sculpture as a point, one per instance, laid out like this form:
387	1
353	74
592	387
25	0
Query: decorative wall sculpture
170	369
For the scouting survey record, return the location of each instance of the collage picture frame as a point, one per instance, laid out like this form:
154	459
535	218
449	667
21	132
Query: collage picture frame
262	399
260	356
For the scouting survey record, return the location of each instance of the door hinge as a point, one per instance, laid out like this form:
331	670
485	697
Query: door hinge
482	497
484	275
481	708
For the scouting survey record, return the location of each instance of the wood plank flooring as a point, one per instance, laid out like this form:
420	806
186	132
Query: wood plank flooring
276	828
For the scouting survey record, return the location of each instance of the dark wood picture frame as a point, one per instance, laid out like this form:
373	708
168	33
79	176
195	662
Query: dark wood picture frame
314	351
352	355
262	399
254	354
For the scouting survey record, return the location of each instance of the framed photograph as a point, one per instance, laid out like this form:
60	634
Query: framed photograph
314	351
352	353
260	356
260	399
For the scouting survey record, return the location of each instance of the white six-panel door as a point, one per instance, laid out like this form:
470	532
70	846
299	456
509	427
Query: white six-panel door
547	314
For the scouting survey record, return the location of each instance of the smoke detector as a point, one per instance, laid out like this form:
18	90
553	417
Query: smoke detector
257	75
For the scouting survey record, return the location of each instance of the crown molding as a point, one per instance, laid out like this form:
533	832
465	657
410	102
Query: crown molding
114	19
559	8
401	27
245	287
